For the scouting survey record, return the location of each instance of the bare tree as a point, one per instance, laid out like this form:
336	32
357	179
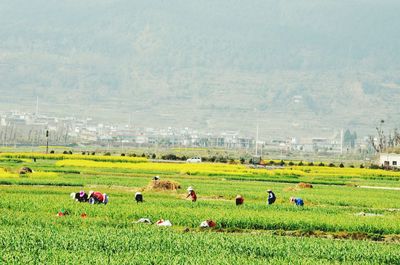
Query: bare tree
379	142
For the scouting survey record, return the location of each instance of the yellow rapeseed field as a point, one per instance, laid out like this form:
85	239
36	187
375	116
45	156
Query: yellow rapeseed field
228	169
5	174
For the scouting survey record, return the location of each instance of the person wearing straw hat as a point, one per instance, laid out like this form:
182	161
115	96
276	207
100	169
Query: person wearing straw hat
271	197
80	196
239	200
192	194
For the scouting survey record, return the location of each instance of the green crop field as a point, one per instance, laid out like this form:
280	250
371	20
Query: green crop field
340	223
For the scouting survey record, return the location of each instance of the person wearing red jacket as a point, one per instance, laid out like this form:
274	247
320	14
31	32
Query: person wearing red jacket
239	200
96	197
192	194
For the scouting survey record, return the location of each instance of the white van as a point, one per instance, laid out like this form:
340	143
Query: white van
194	160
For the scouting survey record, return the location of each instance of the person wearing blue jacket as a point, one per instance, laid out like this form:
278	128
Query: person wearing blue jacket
297	201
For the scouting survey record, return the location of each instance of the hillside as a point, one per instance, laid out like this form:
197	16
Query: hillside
297	68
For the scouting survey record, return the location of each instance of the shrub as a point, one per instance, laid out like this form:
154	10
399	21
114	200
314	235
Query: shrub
341	165
221	159
122	154
361	166
311	164
291	163
52	152
107	154
169	157
321	164
242	160
153	156
331	165
301	163
373	166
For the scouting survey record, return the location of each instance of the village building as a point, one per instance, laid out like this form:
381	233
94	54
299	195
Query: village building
389	160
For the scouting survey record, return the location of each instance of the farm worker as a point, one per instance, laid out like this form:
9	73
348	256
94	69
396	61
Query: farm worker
163	222
271	197
138	197
105	201
239	200
192	194
80	196
297	201
96	197
144	221
208	223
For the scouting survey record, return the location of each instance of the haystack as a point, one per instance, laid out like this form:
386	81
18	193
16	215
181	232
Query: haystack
163	185
25	170
303	185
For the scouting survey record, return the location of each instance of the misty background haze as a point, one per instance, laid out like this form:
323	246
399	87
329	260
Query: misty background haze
296	67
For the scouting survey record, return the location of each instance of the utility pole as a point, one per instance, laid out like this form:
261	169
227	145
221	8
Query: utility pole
47	141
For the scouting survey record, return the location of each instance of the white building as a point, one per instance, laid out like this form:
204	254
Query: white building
389	160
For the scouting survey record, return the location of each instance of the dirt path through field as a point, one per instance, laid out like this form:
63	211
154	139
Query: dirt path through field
378	188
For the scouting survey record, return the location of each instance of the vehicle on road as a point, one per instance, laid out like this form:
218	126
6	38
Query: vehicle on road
194	160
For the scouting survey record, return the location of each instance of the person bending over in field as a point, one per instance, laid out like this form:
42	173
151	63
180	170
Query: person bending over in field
138	197
192	194
96	197
80	196
239	200
271	197
297	201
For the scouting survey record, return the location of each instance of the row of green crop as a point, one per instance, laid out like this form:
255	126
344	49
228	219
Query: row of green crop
138	244
255	214
227	188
